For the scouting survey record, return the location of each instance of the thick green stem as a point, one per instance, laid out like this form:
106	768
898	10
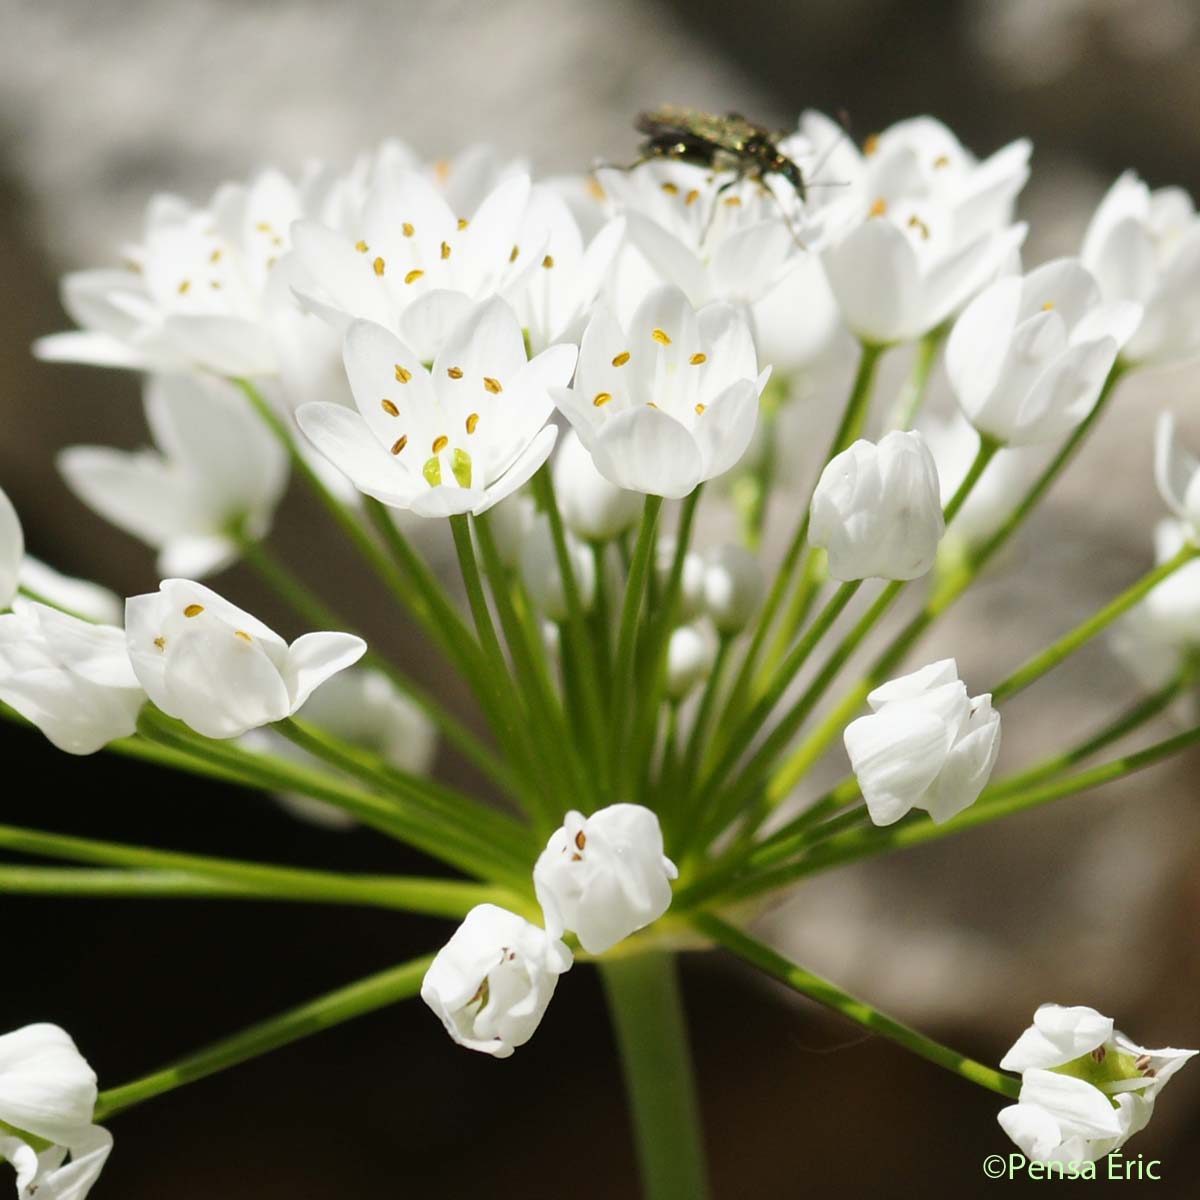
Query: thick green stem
798	979
647	1013
376	991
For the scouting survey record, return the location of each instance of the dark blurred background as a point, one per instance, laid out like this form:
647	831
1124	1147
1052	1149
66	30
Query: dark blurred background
1094	902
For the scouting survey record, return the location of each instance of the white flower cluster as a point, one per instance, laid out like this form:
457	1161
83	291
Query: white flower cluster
423	338
601	877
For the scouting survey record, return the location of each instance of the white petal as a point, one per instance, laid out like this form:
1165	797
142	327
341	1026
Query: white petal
647	451
12	550
313	658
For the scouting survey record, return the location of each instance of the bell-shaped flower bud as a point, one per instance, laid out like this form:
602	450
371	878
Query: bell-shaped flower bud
1177	473
604	876
1144	247
1028	356
592	508
543	580
877	511
689	660
510	522
71	678
733	587
492	981
47	1096
925	745
1085	1087
12	550
220	670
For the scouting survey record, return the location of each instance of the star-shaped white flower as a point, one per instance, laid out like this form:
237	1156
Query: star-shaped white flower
454	439
669	402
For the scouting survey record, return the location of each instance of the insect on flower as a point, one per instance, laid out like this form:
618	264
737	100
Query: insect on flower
728	143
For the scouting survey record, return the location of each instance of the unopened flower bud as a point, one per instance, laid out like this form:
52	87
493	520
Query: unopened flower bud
543	579
876	510
689	660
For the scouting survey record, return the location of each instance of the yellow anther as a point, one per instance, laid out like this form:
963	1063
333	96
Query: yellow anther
472	421
215	256
184	286
942	160
661	337
871	145
697	359
400	443
379	266
548	261
601	399
879	207
413	275
193	610
463	223
389	408
271	262
1048	306
915	222
241	633
492	385
445	250
651	404
691	197
513	256
454	372
215	285
403	374
671	189
621	359
595	190
160	643
263	226
407	229
440	443
700	408
733	201
361	246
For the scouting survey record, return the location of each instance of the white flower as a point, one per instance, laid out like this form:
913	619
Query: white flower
1085	1087
604	876
924	745
918	228
456	439
363	707
733	587
541	576
80	597
553	300
71	678
877	509
217	668
731	245
47	1096
1144	246
12	550
689	660
592	508
217	469
413	265
670	403
1028	357
1177	473
197	291
491	982
1157	637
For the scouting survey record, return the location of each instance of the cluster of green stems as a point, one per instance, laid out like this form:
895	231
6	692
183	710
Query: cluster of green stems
591	726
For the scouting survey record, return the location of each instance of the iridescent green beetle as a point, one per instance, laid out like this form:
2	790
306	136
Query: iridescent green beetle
728	143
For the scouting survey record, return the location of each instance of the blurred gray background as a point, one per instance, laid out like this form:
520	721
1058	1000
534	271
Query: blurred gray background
1095	901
